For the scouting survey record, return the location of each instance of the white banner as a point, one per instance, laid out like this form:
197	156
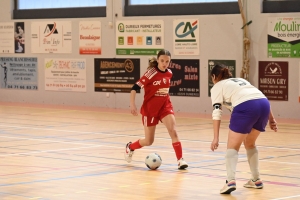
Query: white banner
51	37
65	74
7	44
139	37
186	37
90	37
19	73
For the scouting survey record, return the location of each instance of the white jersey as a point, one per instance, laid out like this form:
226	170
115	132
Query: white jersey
233	91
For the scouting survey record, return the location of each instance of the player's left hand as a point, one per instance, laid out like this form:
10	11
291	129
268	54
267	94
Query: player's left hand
214	144
273	125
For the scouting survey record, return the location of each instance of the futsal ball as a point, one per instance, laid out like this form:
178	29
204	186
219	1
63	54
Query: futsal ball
153	161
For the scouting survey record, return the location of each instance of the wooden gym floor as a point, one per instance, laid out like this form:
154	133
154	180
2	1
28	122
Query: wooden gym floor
76	153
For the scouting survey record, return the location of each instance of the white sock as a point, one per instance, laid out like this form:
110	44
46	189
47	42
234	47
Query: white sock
252	155
231	159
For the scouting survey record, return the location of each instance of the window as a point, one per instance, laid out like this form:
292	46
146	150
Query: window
40	9
145	2
281	6
176	7
37	4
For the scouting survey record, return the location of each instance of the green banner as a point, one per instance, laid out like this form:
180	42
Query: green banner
137	51
284	37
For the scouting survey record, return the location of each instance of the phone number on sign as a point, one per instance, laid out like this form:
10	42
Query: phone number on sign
188	90
24	87
65	85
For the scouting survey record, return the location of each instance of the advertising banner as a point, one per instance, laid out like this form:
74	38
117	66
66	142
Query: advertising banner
7	37
284	37
62	74
90	37
19	73
273	80
185	80
116	75
139	37
186	37
51	37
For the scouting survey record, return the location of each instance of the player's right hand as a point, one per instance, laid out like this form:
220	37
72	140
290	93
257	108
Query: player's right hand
214	144
133	110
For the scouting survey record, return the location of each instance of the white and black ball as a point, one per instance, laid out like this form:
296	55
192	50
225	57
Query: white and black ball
153	161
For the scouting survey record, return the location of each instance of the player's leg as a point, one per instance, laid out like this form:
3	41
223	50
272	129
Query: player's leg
149	136
241	123
170	123
149	128
263	107
231	158
252	155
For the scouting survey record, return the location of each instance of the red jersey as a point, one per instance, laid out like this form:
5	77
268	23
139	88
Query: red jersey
156	86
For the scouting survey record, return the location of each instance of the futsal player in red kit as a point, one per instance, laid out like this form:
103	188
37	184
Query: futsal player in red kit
156	107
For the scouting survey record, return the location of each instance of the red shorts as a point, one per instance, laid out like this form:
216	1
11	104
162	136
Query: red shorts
153	120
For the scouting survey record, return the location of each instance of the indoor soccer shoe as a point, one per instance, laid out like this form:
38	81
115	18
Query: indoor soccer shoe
128	153
182	164
228	187
258	184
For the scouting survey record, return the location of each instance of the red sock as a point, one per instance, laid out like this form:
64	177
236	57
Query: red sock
178	149
135	145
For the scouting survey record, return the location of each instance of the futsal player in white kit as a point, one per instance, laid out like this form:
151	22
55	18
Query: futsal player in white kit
250	113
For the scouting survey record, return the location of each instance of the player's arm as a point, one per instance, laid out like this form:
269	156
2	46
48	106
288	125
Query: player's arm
272	121
133	108
216	115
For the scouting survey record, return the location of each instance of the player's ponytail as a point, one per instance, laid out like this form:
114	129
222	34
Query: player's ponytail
152	63
220	72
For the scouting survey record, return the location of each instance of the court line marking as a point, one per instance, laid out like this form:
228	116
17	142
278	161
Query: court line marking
86	147
144	183
44	140
94	146
56	195
81	192
126	112
291	163
97	133
46	151
103	189
289	197
193	174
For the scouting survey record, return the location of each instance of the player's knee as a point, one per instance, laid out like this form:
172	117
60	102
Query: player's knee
231	153
249	146
149	142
